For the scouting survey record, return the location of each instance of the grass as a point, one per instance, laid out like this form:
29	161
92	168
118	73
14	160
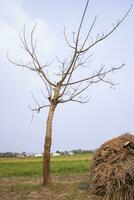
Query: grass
21	178
32	167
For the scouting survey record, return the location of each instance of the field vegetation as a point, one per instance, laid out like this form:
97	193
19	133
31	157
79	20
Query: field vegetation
21	178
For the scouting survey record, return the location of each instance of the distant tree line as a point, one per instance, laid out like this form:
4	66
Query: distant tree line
8	154
14	154
24	154
79	151
76	151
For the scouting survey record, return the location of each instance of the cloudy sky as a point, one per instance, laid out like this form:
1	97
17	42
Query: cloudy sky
110	111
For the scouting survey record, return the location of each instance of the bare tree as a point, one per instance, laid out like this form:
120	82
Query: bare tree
69	87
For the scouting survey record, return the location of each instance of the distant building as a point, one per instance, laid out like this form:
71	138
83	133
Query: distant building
71	153
38	155
56	154
30	155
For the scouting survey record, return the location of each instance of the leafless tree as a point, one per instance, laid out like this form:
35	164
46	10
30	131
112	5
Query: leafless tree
69	87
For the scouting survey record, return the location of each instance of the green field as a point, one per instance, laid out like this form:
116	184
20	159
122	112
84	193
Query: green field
21	178
32	167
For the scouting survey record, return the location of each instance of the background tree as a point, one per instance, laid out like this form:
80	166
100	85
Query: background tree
68	86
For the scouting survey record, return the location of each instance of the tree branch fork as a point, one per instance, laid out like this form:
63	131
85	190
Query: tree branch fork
69	87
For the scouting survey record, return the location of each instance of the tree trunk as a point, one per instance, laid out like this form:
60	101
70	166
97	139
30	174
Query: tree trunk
47	146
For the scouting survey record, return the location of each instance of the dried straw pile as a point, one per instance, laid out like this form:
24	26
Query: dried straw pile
111	175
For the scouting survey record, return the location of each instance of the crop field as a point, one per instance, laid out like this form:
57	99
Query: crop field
21	178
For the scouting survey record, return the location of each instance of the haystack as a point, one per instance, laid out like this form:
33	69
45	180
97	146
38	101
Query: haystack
111	175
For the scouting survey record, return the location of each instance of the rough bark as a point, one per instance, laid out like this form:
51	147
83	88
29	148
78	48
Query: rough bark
47	147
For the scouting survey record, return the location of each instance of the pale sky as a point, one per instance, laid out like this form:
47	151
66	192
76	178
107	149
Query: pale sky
109	113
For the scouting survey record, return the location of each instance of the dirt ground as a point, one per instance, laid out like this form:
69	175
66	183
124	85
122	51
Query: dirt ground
62	188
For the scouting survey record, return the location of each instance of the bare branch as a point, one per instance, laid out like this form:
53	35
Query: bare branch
70	66
98	74
104	36
81	23
89	33
38	105
67	88
39	108
49	91
74	100
20	64
36	64
66	39
76	53
76	93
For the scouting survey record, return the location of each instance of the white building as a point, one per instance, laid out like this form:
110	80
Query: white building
38	155
56	154
71	153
